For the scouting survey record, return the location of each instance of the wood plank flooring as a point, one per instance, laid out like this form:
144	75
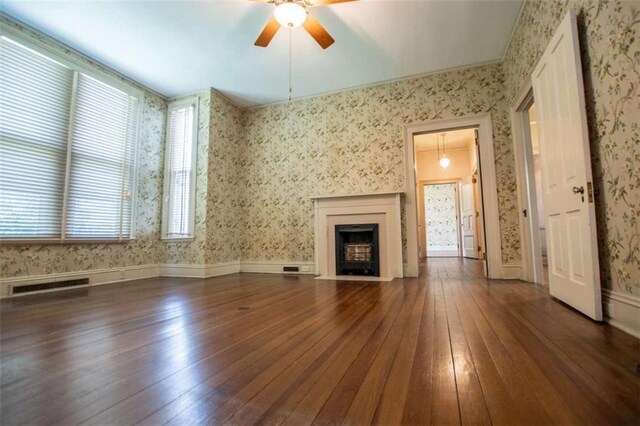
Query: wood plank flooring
447	348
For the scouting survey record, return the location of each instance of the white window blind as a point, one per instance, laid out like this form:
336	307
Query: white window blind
67	151
102	153
179	184
35	102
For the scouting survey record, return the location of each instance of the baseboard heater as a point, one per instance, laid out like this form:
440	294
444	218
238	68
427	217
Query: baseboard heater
30	288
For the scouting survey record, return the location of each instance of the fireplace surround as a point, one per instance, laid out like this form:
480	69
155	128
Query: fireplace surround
381	209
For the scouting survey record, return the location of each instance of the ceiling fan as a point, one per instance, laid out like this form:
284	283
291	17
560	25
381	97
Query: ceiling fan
292	14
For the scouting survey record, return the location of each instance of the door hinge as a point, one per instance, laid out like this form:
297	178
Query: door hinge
524	212
477	214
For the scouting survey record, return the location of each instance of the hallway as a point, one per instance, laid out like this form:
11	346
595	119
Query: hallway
450	347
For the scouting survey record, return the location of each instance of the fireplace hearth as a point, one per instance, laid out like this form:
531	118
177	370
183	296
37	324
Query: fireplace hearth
357	251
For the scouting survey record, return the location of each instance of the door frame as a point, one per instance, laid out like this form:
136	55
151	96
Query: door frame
489	211
422	213
476	217
531	246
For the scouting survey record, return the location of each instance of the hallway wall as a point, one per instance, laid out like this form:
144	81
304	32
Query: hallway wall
428	168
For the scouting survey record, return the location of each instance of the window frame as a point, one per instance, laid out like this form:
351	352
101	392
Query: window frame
53	53
177	104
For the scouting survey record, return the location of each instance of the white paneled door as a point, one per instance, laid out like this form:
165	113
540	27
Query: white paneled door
468	216
566	173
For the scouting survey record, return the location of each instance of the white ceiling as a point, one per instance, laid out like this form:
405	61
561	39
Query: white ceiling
456	139
179	47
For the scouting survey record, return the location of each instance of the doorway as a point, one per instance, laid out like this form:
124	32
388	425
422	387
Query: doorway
533	213
451	220
441	217
492	250
534	162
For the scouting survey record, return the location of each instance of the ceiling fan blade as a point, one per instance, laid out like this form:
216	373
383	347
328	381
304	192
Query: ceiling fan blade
268	32
317	31
326	2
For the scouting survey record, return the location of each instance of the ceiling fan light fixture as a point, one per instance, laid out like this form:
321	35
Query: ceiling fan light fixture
290	14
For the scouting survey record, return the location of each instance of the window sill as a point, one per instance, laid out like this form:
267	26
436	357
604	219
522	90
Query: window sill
177	239
57	241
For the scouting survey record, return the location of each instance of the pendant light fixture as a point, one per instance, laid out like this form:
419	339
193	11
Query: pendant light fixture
290	61
443	159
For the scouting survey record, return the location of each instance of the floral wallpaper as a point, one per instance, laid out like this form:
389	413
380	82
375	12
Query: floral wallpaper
33	259
224	231
440	214
352	142
610	50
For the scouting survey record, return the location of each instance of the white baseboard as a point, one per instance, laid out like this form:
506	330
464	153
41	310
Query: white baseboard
511	271
199	271
128	273
405	270
218	269
622	311
276	267
96	277
434	252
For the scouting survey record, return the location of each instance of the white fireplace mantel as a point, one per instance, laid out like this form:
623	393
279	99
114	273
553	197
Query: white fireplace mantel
381	208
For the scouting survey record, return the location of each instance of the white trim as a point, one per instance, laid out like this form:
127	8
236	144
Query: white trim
67	167
128	273
96	277
513	31
361	194
622	311
51	241
379	83
199	271
56	53
191	101
443	252
136	154
381	208
488	180
511	272
218	269
530	244
177	239
276	267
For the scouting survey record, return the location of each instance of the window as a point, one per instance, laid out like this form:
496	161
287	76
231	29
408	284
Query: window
67	151
180	170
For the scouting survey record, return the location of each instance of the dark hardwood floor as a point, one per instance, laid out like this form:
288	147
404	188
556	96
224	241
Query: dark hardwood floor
448	348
